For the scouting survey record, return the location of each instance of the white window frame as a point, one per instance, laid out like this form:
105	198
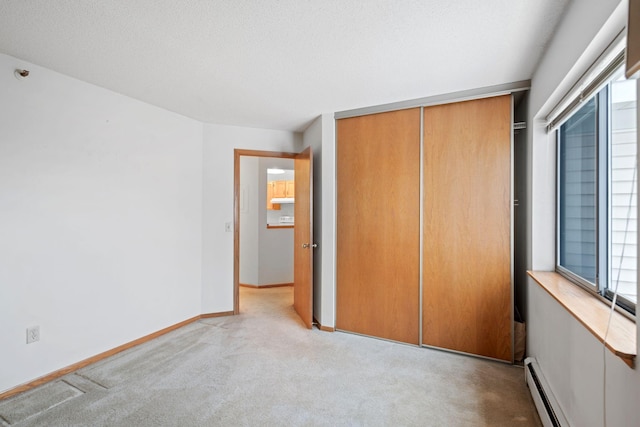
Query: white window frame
563	112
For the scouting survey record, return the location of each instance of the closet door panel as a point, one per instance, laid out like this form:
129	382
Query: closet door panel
378	225
467	292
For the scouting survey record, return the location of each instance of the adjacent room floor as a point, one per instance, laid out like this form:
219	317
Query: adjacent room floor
264	368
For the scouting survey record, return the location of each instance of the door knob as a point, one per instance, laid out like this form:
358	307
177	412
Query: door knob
305	245
315	245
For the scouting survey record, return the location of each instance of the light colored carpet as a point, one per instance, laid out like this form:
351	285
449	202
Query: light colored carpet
264	368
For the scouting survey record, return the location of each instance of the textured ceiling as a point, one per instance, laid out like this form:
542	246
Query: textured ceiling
280	63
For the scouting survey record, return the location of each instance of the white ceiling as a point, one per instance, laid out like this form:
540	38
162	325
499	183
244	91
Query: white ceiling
280	63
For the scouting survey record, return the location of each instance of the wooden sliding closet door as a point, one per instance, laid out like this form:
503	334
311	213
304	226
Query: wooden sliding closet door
378	225
467	302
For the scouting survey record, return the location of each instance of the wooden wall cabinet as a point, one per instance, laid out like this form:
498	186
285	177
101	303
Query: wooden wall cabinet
466	281
290	189
270	191
279	189
282	189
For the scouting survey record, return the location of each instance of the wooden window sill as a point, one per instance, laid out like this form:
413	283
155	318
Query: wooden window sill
592	313
279	226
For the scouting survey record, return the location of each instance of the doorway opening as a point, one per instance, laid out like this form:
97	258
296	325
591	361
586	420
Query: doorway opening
268	218
267	198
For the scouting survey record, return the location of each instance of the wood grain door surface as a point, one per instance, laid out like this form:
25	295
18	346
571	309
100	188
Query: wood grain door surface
467	299
378	225
303	237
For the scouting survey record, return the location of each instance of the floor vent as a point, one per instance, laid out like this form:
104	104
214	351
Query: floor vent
546	404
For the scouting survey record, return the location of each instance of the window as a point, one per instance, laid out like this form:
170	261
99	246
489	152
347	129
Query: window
597	192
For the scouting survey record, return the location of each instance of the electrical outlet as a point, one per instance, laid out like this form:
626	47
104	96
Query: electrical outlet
33	334
227	227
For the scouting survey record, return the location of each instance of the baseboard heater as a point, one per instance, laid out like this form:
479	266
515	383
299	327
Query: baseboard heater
546	403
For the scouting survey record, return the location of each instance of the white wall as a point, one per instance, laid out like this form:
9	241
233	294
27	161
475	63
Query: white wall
249	217
320	136
328	313
112	218
218	154
572	360
100	220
